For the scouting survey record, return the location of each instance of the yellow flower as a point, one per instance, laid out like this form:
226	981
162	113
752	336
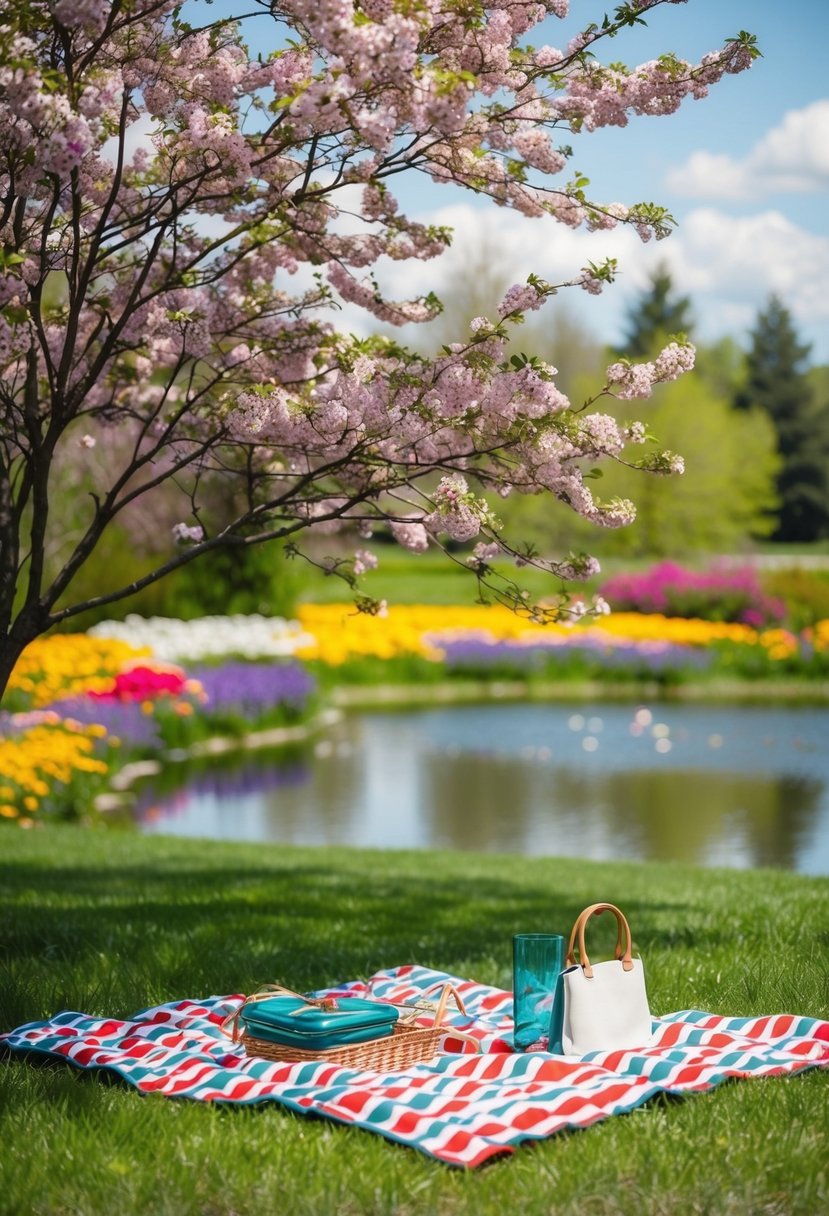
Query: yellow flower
340	633
779	643
67	664
819	635
44	757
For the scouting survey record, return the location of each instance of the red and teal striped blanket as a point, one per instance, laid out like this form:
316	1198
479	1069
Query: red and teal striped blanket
461	1108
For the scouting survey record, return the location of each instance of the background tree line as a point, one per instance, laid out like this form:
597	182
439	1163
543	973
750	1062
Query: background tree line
752	425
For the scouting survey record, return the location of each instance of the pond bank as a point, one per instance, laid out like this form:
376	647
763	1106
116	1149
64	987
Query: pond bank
462	692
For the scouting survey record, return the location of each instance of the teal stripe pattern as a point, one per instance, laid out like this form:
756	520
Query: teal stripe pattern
463	1107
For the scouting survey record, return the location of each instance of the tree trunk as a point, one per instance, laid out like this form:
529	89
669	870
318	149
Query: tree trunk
11	648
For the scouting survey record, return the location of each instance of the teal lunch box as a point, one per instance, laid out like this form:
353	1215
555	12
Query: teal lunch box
289	1021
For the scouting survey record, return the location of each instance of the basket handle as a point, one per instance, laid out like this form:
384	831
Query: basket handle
446	990
231	1023
623	938
451	1032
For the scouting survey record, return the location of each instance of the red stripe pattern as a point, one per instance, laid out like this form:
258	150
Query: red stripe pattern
461	1108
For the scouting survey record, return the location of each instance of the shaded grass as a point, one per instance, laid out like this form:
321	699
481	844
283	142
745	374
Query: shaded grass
108	923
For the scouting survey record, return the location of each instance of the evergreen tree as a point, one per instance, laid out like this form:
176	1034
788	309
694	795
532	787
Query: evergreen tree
656	315
778	382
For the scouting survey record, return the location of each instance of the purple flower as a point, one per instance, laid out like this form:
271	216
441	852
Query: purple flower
124	719
475	654
250	689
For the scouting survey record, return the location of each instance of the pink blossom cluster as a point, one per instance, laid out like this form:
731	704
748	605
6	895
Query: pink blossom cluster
367	294
90	15
364	560
521	297
577	569
410	533
601	97
599	434
486	551
188	534
629	380
457	511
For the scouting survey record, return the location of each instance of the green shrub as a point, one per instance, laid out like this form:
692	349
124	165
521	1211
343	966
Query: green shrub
804	592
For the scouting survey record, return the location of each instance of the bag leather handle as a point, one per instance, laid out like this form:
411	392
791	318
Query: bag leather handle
623	939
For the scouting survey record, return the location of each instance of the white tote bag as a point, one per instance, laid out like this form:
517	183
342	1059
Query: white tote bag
605	1004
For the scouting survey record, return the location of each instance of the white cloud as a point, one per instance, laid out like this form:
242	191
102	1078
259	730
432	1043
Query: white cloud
792	157
515	246
728	265
710	175
138	135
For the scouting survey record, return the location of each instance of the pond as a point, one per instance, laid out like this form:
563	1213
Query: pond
708	785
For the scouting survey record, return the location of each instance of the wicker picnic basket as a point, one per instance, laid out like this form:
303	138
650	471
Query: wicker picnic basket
409	1043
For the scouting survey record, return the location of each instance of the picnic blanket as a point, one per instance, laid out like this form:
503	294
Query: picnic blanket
462	1108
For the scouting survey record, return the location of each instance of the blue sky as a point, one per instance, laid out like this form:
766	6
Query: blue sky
745	172
768	186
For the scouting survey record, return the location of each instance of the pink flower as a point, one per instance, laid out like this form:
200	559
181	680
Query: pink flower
143	683
185	534
410	533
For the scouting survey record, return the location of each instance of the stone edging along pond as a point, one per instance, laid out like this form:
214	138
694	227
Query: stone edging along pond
377	696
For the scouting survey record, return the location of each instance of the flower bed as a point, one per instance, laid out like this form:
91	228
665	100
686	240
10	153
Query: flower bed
64	664
722	593
115	705
45	759
483	640
210	637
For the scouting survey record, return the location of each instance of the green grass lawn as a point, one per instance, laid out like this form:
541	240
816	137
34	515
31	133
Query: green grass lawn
407	578
431	578
109	922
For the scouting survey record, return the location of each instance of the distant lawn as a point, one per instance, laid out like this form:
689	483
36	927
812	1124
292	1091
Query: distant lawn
425	578
109	922
431	578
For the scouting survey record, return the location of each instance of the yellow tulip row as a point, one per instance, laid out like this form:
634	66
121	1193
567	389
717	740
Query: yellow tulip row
341	633
69	664
48	753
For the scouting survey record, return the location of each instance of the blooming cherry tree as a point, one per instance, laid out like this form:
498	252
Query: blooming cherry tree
180	214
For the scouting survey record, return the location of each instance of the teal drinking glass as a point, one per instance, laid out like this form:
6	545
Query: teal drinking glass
537	960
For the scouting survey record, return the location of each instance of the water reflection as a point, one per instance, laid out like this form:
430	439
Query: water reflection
731	786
